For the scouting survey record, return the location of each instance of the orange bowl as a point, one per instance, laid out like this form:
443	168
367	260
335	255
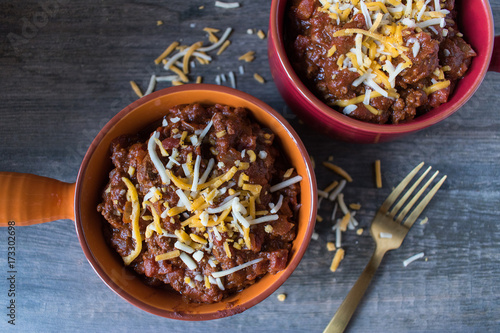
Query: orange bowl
93	176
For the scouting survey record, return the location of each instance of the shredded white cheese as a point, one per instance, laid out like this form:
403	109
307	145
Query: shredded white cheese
413	258
285	183
277	207
232	80
205	131
236	268
156	160
167	78
337	190
190	263
151	86
219	43
350	109
227	5
196	173
219	284
183	247
183	199
266	218
198	255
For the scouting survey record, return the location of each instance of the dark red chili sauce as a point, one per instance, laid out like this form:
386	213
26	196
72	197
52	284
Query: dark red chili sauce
312	32
234	141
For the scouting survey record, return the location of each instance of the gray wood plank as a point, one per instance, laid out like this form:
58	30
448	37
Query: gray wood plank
71	75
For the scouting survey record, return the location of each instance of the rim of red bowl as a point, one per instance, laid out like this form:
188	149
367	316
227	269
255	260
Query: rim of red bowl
434	116
291	266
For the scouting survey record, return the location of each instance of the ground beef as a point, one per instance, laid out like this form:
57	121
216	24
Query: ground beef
234	140
443	55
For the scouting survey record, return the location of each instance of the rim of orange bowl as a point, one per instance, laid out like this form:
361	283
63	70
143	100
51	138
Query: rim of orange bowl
276	32
291	266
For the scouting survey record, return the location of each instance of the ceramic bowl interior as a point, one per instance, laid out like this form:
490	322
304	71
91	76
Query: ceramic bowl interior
475	22
93	176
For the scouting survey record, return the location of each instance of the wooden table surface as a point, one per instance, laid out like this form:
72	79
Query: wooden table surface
65	68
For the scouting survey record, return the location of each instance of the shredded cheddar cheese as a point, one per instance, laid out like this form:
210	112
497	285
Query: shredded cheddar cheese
168	255
437	86
339	255
378	174
189	53
167	51
338	170
223	47
136	88
136	209
248	57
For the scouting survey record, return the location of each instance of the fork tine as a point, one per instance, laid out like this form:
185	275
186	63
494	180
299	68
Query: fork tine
397	191
405	197
414	199
421	206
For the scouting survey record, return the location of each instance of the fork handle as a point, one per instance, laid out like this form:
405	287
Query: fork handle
346	310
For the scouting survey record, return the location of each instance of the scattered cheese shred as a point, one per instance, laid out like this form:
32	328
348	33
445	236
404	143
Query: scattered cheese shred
136	88
179	72
331	186
219	43
331	246
212	30
338	170
167	51
227	5
345	220
413	258
378	174
339	255
223	47
248	57
355	206
258	78
187	56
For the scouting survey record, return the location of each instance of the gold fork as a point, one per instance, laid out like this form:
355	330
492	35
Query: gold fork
394	230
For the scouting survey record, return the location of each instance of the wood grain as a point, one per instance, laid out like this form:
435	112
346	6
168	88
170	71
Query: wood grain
71	74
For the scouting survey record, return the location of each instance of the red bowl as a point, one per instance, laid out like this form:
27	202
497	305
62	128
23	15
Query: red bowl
478	29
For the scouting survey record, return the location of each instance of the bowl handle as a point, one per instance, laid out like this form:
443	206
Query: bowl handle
495	58
26	199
